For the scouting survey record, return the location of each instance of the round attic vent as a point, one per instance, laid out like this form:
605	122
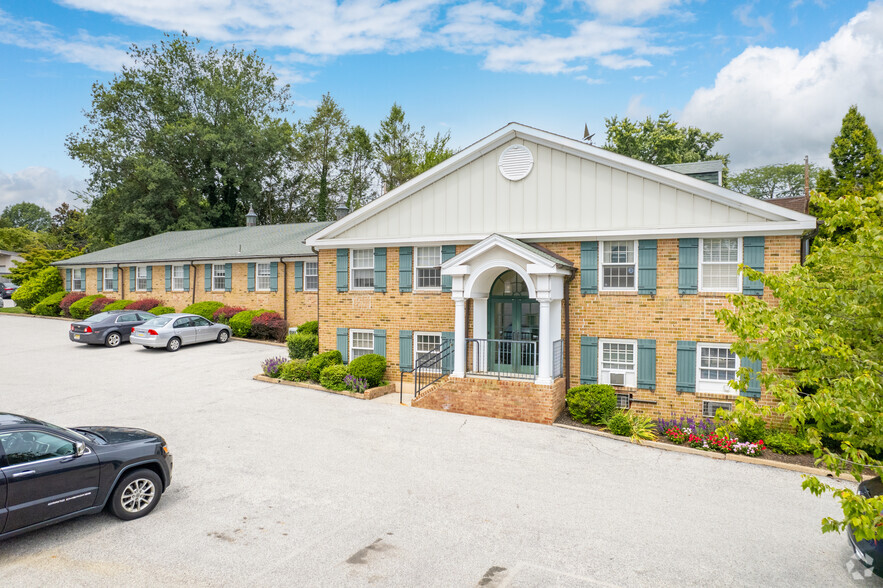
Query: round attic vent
516	162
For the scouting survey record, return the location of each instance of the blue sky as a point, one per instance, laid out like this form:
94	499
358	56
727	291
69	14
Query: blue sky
774	77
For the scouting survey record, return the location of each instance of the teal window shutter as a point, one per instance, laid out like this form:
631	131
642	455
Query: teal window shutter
688	266
448	346
753	390
343	271
380	342
406	350
588	268
752	256
343	342
83	277
99	272
685	380
406	267
448	251
588	359
150	278
251	277
647	266
132	273
274	276
380	269
116	282
168	278
228	277
298	276
208	277
67	280
647	364
187	277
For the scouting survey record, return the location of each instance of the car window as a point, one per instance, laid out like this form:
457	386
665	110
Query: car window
182	322
145	316
199	321
159	321
27	446
97	318
129	317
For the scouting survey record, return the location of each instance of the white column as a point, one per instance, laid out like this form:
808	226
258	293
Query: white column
479	331
459	338
544	373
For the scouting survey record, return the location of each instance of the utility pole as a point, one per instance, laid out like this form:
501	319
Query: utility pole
806	176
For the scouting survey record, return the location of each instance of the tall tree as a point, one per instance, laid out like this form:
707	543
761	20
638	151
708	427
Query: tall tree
20	240
396	147
432	154
322	141
69	227
183	138
358	177
857	161
781	180
27	215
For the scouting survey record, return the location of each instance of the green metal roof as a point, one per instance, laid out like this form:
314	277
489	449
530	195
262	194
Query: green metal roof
206	244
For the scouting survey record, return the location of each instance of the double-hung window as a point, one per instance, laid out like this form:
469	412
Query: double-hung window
76	281
262	277
108	279
363	269
425	345
311	276
719	264
141	278
619	268
361	343
717	365
427	267
618	362
219	277
178	278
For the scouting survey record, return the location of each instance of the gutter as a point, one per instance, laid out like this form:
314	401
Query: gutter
567	329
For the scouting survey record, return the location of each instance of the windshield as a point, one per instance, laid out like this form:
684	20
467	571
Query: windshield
159	321
78	436
97	318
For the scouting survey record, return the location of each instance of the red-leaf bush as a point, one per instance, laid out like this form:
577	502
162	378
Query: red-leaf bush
269	326
145	304
223	314
65	304
99	303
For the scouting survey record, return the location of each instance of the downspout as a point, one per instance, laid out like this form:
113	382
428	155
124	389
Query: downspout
318	287
193	283
567	329
284	288
122	282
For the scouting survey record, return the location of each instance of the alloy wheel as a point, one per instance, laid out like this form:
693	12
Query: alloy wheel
138	495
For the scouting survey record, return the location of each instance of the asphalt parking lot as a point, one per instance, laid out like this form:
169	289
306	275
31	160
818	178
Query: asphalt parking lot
276	485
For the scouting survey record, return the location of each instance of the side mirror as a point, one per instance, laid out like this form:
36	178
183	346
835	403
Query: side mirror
81	448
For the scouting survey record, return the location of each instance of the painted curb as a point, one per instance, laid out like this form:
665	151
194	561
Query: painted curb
261	341
38	316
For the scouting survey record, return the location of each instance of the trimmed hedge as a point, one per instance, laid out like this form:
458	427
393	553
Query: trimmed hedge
145	304
99	303
592	403
370	366
47	281
332	377
309	328
295	370
162	310
270	326
240	322
49	306
321	361
118	305
66	302
302	345
205	309
80	308
223	314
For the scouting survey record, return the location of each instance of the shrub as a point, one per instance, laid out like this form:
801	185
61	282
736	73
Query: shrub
162	310
319	362
618	423
223	314
145	304
80	308
205	309
787	443
302	345
273	365
66	302
47	281
591	403
295	370
118	305
357	385
269	326
49	305
332	377
99	303
747	427
309	328
371	367
240	322
643	427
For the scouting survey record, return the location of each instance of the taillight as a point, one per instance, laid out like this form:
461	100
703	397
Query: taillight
72	326
88	330
133	330
152	332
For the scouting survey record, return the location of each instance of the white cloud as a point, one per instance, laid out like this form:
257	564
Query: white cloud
40	185
634	10
744	13
774	105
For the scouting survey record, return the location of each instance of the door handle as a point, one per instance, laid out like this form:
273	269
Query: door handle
24	473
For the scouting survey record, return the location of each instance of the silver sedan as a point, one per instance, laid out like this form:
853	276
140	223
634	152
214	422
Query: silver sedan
174	330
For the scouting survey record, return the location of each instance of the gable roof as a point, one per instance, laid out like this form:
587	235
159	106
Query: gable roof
487	200
258	242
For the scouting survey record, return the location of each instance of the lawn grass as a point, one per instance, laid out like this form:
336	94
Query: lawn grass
12	310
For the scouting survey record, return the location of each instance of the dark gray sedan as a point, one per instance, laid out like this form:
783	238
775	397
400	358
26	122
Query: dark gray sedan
174	330
108	328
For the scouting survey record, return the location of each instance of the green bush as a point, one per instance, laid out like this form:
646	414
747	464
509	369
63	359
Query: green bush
747	427
319	362
787	443
118	305
371	367
591	403
302	345
332	377
161	310
295	370
205	309
81	308
47	281
619	423
241	321
309	328
49	306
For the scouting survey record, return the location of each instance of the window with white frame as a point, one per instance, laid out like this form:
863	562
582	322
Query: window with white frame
108	279
361	343
425	344
178	277
717	365
619	266
618	362
77	281
262	277
427	267
141	278
311	276
362	277
719	264
219	276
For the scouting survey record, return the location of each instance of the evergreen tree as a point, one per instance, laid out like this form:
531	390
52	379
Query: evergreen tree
857	161
396	148
322	143
358	165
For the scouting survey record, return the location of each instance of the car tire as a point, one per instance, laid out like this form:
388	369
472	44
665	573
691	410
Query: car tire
174	344
223	336
113	339
136	495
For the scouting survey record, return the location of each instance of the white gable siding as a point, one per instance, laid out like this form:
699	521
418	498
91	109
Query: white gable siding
562	193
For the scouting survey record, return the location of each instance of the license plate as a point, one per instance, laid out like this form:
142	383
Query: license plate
76	336
139	333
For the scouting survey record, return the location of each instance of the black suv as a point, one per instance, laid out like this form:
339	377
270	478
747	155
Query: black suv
49	474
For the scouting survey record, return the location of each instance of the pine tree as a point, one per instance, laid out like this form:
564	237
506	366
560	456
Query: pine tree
857	161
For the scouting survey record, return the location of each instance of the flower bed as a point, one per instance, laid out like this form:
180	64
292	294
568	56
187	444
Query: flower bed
701	434
369	394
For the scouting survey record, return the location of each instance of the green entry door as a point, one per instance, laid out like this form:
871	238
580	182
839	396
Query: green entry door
514	325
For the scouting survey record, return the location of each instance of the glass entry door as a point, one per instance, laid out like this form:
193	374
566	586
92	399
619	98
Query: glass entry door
514	326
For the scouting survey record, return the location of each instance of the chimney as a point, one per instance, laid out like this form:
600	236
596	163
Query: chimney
251	219
341	211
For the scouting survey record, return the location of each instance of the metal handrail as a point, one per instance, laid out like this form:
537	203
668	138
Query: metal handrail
430	368
510	358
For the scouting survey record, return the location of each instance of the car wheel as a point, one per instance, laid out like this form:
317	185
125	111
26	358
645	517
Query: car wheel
223	336
174	344
113	340
136	495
